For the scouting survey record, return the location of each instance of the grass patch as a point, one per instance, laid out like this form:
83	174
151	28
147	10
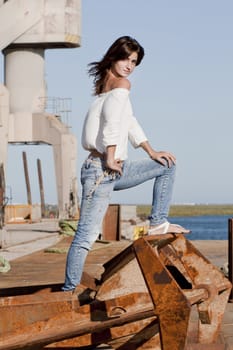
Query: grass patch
190	210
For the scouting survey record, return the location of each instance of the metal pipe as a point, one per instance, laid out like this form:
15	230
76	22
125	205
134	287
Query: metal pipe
42	199
2	195
230	249
29	197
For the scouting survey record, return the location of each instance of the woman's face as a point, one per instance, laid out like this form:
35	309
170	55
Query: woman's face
123	68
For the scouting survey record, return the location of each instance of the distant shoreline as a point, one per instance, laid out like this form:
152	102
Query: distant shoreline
191	210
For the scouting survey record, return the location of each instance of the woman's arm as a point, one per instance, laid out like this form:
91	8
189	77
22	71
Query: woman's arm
111	162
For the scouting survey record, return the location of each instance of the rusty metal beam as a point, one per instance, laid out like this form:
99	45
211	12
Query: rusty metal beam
41	186
230	254
202	275
2	195
93	318
172	307
26	174
142	334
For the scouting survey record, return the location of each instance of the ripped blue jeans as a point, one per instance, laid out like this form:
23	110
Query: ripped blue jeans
97	186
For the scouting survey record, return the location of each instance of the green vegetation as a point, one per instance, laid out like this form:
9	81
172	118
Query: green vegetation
190	210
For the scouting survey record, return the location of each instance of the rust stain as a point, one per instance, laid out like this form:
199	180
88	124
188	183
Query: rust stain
140	303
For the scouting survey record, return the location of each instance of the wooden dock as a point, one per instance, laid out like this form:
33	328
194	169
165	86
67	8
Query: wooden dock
47	267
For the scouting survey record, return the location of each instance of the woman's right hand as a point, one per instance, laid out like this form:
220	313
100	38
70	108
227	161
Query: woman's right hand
115	165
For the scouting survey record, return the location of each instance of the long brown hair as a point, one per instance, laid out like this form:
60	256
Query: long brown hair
119	50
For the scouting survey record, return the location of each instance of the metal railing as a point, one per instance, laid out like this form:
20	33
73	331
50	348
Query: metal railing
61	107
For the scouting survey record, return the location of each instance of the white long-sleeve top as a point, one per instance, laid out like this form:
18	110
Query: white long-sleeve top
109	122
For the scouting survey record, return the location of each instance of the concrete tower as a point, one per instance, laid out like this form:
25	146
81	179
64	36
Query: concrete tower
28	27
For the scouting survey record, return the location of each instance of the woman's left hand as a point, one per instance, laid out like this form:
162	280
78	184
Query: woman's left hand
163	157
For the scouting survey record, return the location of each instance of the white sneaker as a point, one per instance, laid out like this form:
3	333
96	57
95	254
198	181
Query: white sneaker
167	227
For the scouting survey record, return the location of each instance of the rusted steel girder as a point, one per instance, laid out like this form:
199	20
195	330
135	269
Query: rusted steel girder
2	196
64	319
172	306
177	276
230	254
203	284
202	275
143	301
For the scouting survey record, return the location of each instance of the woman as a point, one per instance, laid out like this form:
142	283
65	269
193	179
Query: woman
108	126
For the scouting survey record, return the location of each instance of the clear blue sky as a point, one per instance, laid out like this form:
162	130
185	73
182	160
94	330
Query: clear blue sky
182	93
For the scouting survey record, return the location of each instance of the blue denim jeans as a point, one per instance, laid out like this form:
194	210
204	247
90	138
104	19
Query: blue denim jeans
97	186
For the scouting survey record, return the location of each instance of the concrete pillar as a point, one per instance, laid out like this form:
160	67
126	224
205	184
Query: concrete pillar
50	129
65	155
24	78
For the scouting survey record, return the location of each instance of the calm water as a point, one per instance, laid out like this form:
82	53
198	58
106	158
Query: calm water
204	227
